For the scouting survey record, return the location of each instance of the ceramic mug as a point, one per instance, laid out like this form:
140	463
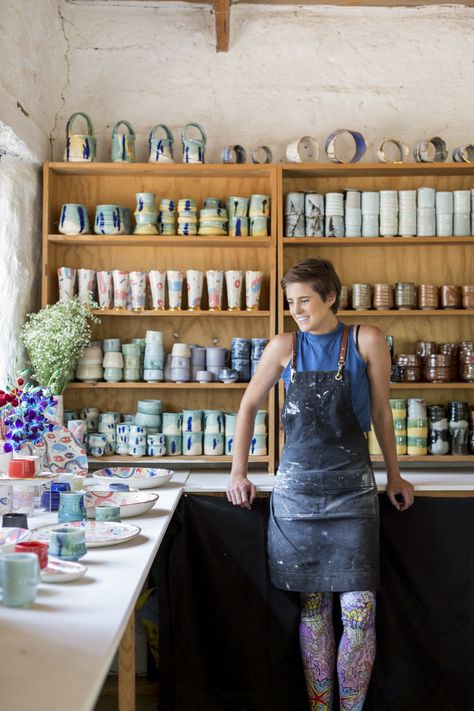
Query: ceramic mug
123	144
73	219
80	148
67	543
216	356
20	575
214	444
192	420
174	444
107	512
172	423
192	443
71	507
39	548
160	150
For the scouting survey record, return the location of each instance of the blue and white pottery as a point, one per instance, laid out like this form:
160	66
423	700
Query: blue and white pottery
258	445
192	443
80	147
160	150
173	444
108	220
192	420
67	543
239	227
229	444
213	421
214	444
193	148
146	214
74	219
172	423
123	144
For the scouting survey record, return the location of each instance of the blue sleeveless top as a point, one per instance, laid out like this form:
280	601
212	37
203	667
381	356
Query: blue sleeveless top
321	353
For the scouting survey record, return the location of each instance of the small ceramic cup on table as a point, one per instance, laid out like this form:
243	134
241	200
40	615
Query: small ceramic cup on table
107	512
71	507
39	548
67	543
20	575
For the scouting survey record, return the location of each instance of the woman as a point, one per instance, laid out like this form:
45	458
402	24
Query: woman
323	528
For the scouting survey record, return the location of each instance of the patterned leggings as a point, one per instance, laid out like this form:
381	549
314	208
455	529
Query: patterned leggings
356	651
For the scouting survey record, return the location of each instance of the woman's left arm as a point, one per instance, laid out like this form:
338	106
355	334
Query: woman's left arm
374	350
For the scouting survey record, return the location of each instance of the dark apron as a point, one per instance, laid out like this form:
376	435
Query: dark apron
323	532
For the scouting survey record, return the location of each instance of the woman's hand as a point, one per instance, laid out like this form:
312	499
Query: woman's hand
241	492
400	492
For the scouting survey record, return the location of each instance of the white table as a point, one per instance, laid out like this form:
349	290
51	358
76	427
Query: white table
56	654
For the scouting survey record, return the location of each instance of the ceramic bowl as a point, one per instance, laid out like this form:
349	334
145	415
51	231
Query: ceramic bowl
228	375
204	376
132	503
141	477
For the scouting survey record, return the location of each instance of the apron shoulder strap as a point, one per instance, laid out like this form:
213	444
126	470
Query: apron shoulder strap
294	348
342	353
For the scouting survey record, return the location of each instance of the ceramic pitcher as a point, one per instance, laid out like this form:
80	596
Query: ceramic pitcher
123	144
160	150
80	147
193	148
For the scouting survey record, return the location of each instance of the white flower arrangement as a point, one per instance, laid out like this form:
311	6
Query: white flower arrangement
55	338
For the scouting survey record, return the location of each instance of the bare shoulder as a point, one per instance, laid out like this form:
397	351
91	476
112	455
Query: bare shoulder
280	347
372	342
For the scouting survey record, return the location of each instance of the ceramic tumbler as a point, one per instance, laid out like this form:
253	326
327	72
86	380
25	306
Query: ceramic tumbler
71	507
237	206
66	281
157	279
104	289
146	214
194	282
214	444
172	423
239	227
86	285
123	144
233	280
192	443
193	148
213	421
174	444
67	543
192	421
160	150
107	512
108	220
253	288
121	281
215	288
73	219
20	575
80	147
138	290
175	289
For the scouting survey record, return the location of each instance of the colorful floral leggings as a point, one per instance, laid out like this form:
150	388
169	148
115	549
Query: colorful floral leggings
356	651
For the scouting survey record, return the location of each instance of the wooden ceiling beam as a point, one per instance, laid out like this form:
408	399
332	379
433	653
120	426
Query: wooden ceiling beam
222	14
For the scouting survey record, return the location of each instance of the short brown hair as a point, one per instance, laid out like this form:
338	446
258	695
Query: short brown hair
319	274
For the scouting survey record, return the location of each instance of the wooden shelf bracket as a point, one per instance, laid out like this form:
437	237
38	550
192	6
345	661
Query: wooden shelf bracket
222	13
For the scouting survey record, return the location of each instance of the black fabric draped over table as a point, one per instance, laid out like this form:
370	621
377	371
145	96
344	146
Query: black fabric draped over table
229	639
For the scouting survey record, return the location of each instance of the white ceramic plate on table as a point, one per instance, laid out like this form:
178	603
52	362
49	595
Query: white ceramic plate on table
97	533
62	571
9	536
132	503
140	477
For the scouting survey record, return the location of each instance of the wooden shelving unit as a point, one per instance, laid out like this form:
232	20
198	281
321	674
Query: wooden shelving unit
101	183
429	260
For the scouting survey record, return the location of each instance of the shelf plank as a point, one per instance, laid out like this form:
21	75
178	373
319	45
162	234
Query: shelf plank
163	170
432	386
123	459
160	240
371	170
154	386
403	313
375	241
178	314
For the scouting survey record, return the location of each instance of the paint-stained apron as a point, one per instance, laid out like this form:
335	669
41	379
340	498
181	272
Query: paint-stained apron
323	532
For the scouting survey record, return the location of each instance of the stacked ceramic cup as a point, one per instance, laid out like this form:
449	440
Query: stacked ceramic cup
136	440
353	215
334	224
444	213
237	208
122	431
462	214
107	425
259	213
240	353
407	213
192	432
425	213
314	215
295	215
113	360
258	443
258	345
181	363
131	366
370	207
90	416
187	217
388	213
172	430
198	361
148	415
213	219
89	365
146	214
108	220
216	360
167	217
213	432
154	356
417	427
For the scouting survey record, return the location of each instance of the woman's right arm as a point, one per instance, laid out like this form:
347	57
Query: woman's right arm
240	491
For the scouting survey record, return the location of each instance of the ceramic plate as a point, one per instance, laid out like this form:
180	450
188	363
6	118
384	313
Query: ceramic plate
10	536
62	571
141	477
98	534
62	452
132	503
40	478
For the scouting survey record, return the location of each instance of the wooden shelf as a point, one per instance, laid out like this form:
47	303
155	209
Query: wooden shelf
177	171
178	314
403	313
139	385
159	241
432	386
375	241
123	459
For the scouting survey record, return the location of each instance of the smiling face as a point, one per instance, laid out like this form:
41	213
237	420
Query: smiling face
311	313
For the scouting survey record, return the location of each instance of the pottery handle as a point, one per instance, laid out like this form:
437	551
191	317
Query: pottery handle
199	128
165	128
124	123
90	128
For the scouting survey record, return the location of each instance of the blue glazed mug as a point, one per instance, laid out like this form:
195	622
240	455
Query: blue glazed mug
19	575
160	150
174	444
80	147
107	512
123	144
73	219
193	148
214	444
71	507
67	543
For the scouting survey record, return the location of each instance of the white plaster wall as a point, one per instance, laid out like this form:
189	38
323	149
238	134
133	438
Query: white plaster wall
33	69
290	71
